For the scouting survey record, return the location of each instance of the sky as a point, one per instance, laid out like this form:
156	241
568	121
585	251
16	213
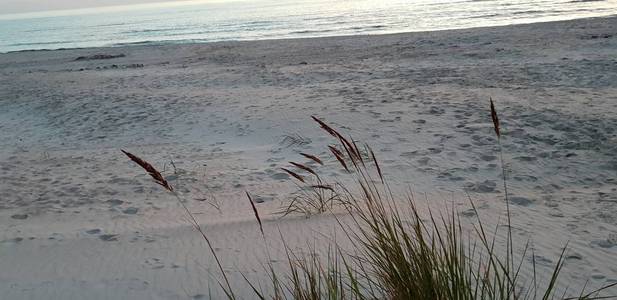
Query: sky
23	6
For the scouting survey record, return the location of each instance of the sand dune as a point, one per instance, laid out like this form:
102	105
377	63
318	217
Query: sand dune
81	221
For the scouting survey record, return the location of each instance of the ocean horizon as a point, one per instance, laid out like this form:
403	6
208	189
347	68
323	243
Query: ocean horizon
197	21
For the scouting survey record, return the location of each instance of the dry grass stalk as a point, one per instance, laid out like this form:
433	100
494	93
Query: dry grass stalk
325	127
303	167
350	147
154	173
495	119
509	244
294	174
376	165
409	257
261	228
339	157
323	187
358	153
158	177
335	151
399	258
313	158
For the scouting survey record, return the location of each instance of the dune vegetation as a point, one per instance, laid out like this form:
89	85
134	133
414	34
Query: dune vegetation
398	252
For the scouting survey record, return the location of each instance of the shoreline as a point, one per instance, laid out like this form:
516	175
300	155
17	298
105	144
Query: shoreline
172	43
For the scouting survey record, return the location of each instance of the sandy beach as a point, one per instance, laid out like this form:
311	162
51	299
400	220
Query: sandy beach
81	221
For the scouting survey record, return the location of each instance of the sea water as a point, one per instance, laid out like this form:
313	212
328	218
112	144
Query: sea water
207	21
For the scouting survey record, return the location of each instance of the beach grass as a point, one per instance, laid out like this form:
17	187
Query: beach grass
398	251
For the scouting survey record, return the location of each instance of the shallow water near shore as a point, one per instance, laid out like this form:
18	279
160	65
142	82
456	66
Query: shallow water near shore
198	21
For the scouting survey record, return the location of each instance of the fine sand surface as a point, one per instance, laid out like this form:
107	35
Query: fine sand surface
80	221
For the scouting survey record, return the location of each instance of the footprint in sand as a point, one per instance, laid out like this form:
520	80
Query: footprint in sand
525	178
598	276
526	158
154	263
114	202
604	243
436	111
468	213
280	176
574	256
522	201
93	231
262	199
487	186
108	237
15	240
486	157
423	161
131	210
19	216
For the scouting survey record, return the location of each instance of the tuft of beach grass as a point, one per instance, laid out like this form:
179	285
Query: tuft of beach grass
397	253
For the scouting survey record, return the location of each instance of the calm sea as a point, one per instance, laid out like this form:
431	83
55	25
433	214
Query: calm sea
181	22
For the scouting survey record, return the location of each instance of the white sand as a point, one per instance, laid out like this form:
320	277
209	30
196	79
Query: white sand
83	222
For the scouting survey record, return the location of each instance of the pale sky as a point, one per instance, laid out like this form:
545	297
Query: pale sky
22	6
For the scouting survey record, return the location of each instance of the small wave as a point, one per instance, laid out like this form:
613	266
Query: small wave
196	32
370	27
109	25
137	43
311	31
160	42
355	28
485	16
529	12
45	29
150	30
41	43
260	23
581	1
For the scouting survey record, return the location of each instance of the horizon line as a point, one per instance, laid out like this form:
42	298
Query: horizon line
107	8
